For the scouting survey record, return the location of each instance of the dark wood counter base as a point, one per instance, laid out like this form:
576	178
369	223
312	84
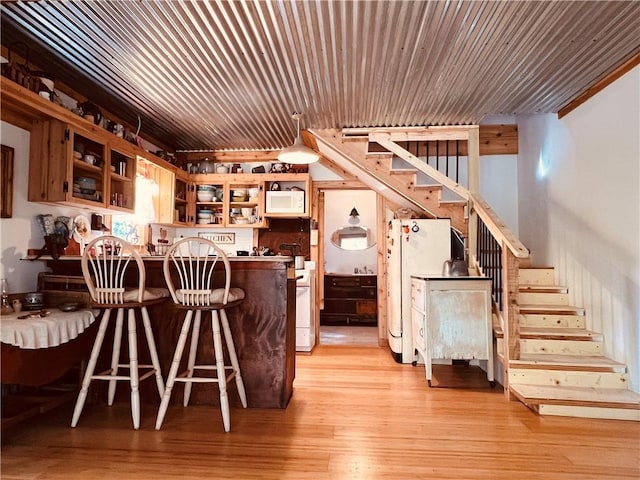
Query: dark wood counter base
263	328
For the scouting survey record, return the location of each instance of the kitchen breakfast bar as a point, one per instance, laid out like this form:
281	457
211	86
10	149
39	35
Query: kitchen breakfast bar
263	328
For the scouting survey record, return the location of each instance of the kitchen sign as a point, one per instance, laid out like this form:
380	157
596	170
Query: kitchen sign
221	237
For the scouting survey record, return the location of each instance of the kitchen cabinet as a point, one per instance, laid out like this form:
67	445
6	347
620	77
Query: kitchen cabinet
238	198
228	200
232	199
155	199
211	200
183	199
350	300
72	166
246	202
122	174
287	182
451	320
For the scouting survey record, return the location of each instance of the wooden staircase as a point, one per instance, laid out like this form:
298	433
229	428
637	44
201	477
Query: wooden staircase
562	369
405	181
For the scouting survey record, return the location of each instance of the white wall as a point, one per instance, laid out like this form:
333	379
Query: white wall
578	181
499	179
338	205
21	232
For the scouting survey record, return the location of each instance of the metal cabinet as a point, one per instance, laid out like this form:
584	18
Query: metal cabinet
451	319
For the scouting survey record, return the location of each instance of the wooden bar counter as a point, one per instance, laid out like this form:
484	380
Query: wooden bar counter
263	328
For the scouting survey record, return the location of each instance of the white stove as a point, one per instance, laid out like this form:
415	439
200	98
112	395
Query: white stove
305	308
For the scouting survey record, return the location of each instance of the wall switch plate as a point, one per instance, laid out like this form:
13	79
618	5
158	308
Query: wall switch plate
313	240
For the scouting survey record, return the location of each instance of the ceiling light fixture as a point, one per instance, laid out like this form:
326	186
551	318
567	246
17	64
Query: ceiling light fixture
298	153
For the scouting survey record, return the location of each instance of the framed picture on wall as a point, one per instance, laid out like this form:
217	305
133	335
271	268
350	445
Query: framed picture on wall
6	186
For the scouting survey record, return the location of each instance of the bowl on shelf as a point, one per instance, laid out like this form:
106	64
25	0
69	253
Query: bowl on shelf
239	195
86	183
204	196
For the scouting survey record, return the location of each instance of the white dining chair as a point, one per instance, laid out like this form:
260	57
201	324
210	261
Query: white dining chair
192	268
109	266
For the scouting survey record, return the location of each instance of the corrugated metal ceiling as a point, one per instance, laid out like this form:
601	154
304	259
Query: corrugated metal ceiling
228	74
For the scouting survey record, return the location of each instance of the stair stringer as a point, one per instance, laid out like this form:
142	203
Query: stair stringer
353	157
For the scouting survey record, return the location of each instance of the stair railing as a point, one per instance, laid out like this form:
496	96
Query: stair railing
497	254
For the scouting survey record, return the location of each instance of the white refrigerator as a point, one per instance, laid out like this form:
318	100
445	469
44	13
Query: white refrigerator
414	247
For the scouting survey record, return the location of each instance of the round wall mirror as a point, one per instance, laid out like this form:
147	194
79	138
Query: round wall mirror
353	238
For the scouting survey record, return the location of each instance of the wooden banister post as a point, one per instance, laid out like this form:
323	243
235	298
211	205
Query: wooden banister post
473	145
510	313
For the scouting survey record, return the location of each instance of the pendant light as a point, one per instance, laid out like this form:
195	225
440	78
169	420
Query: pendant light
298	153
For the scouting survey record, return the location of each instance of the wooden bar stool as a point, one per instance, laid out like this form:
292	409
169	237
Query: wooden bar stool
105	262
191	262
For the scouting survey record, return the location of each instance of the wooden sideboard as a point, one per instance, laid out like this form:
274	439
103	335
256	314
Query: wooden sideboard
350	300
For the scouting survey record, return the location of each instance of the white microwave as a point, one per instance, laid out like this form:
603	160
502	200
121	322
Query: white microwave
286	201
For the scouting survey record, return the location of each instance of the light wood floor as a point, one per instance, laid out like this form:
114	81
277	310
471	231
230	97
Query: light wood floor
348	335
355	414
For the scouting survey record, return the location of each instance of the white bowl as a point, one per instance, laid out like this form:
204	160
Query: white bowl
203	221
246	212
204	196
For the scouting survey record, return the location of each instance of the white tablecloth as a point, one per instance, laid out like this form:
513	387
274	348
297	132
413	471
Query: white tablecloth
44	332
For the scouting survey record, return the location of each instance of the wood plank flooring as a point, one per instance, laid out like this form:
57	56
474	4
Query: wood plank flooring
355	414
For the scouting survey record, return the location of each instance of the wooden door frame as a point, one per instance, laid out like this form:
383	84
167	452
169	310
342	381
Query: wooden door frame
318	254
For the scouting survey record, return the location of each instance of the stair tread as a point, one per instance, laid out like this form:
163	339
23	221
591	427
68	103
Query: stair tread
536	288
550	308
578	395
565	360
555	332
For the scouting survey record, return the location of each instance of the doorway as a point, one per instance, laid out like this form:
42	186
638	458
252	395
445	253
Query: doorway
348	312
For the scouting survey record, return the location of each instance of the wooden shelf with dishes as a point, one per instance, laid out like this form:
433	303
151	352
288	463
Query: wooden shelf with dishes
52	169
235	200
60	171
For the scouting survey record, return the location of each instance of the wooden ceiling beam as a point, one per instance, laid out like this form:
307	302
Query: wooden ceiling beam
600	85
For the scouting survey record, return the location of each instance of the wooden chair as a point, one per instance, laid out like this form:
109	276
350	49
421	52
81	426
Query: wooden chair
105	267
190	263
